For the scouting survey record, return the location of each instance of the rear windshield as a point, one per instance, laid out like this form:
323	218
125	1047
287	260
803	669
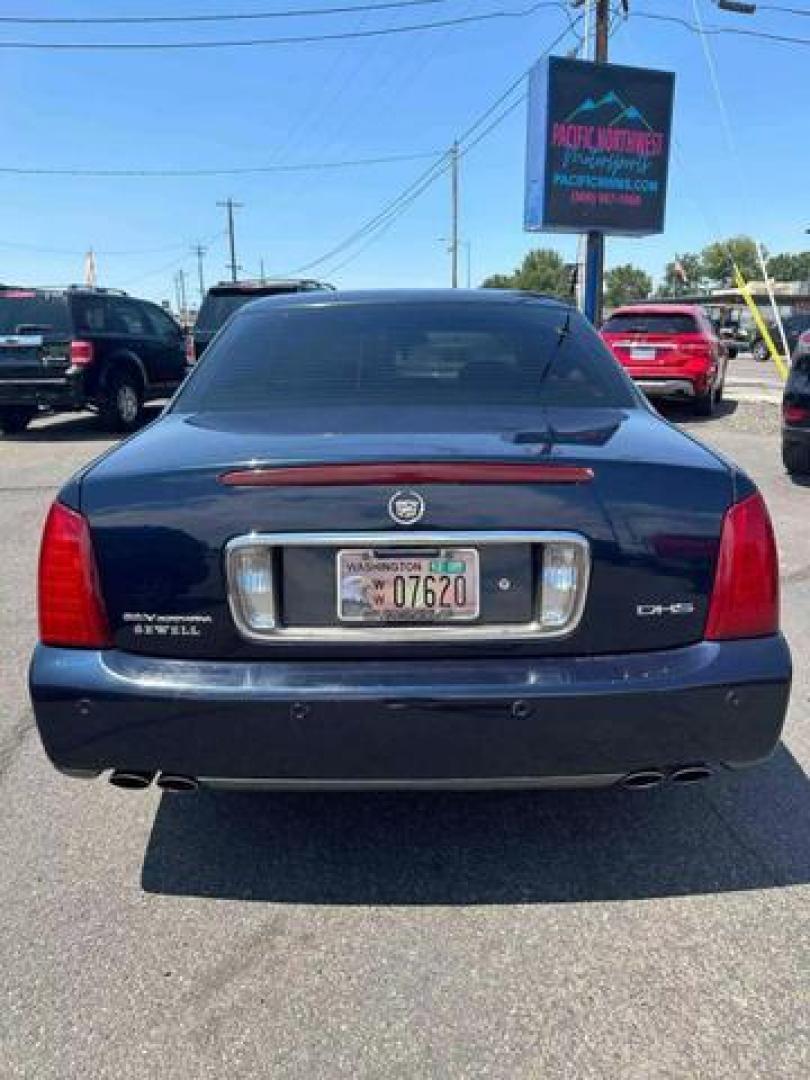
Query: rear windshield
218	307
25	311
454	356
653	323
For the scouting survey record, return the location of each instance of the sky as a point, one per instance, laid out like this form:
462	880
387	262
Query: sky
341	101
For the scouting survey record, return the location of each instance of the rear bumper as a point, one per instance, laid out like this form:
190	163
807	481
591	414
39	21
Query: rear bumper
796	436
58	392
666	387
516	722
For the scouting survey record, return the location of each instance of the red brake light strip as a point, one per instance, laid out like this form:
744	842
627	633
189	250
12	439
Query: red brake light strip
405	472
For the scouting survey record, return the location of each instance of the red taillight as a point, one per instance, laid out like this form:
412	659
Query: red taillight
696	348
81	353
71	610
191	356
795	414
745	598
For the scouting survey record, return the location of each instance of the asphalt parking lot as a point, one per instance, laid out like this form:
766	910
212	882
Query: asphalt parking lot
657	934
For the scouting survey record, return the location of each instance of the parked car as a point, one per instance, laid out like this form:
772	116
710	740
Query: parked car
408	539
794	326
671	351
222	300
796	410
79	348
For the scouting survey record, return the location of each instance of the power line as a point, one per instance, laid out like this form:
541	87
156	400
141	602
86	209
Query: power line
206	241
379	224
732	145
716	31
410	28
213	17
79	253
424	180
784	10
245	170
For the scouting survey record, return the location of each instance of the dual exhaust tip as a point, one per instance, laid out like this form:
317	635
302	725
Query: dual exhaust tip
132	780
643	779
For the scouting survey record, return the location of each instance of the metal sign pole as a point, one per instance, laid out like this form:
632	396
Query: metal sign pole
595	252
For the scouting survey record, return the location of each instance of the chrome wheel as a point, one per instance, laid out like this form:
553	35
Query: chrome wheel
128	404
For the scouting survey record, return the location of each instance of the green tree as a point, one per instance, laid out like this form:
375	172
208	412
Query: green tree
718	259
626	283
682	276
542	270
499	281
790	267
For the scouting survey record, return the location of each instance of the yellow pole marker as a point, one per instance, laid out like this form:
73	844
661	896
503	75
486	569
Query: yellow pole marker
760	322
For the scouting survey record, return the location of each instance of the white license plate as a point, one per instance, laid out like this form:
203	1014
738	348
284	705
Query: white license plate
433	585
642	354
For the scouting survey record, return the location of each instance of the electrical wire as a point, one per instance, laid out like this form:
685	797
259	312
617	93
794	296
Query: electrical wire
378	225
422	182
733	149
77	254
717	31
212	17
344	35
206	242
247	170
784	10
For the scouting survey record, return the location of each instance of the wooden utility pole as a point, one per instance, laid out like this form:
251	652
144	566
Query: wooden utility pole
199	251
230	206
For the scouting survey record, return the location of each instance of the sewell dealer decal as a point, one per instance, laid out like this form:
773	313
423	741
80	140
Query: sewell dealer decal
597	153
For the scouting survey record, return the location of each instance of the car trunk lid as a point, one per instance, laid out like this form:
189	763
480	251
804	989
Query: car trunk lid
646	500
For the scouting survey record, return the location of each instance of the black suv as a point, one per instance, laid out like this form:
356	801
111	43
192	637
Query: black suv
222	300
794	326
796	411
78	348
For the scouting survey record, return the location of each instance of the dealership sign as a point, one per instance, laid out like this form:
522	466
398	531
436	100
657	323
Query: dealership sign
597	152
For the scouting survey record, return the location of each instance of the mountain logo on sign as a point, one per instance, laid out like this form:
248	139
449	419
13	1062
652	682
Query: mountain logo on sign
613	110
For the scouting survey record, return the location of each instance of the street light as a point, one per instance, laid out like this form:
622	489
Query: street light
737	6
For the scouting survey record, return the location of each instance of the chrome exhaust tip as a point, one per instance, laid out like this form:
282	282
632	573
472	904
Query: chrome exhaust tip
130	779
691	774
176	782
643	779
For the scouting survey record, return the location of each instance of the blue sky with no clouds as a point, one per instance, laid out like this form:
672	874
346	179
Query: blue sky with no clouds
224	108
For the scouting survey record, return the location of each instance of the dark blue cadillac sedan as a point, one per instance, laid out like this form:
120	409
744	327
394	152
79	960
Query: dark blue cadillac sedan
408	539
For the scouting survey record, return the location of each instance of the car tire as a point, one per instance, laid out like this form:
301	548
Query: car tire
121	408
15	418
705	404
796	459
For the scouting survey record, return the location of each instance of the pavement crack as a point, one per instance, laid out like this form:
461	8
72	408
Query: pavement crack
12	742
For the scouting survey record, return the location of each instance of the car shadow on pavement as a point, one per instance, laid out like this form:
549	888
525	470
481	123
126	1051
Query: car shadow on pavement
746	830
679	412
73	427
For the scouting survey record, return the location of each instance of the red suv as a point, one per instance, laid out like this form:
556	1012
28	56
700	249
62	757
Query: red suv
670	351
